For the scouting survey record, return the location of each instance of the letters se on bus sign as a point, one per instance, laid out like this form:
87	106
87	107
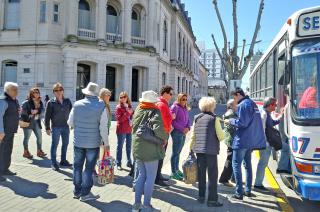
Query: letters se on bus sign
309	24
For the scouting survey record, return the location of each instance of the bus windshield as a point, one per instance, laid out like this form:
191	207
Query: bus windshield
305	80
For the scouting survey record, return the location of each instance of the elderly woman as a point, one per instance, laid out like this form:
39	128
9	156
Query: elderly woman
146	153
205	143
9	116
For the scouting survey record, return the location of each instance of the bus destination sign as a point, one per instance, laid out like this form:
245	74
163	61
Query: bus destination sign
309	24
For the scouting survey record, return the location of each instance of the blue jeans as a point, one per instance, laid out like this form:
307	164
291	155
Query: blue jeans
83	182
262	164
121	139
145	181
56	133
240	155
27	133
178	139
135	174
284	162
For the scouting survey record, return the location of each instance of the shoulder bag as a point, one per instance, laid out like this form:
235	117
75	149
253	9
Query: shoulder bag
146	132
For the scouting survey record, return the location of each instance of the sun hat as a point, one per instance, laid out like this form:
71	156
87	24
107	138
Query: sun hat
92	89
149	96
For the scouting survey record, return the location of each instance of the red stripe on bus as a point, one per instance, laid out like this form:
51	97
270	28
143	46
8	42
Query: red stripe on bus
259	103
317	149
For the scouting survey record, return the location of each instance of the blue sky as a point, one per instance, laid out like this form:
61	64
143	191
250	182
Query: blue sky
275	14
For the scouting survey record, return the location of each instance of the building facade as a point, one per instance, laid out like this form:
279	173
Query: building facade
123	45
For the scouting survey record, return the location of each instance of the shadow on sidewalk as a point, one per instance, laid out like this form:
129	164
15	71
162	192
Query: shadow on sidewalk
27	188
110	206
43	163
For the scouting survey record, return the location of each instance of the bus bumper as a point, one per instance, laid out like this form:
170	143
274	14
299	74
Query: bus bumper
308	189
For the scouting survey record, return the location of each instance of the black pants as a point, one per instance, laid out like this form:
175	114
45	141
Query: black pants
227	170
5	152
160	165
208	162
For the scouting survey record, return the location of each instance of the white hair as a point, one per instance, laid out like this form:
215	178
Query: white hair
207	104
8	85
230	103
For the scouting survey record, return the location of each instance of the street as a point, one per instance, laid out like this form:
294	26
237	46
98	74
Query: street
38	188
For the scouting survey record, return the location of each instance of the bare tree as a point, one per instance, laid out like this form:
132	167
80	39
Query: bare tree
229	56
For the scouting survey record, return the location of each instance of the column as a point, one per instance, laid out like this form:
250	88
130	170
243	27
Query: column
69	77
127	79
102	20
101	74
73	19
127	22
151	28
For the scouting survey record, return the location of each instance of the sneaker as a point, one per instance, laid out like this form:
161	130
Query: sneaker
2	179
27	154
65	163
41	154
249	194
76	195
176	176
201	200
119	168
235	197
163	178
282	171
161	183
8	172
55	167
129	165
180	173
214	204
227	184
150	209
261	188
136	207
89	197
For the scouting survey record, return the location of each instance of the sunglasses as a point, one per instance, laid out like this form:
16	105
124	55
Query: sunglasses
184	100
58	90
123	97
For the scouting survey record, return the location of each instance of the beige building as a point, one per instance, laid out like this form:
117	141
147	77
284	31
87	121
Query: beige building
124	45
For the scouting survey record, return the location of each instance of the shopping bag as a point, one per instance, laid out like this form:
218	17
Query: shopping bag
105	166
190	169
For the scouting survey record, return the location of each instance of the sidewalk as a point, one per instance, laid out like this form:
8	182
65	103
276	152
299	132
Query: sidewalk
38	188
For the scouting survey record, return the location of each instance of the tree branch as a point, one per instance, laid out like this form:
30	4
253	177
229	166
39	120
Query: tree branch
215	3
234	52
223	57
242	52
253	42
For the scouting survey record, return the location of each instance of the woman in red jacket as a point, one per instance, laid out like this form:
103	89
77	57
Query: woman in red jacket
124	114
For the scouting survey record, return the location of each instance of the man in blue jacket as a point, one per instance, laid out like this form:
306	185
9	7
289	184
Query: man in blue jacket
249	136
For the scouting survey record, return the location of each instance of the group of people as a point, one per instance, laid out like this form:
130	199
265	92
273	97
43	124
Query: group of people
90	119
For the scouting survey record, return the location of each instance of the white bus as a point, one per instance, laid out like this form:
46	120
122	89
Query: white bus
290	71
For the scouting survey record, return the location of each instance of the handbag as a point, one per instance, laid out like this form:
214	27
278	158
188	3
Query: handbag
105	167
190	169
146	132
273	138
24	124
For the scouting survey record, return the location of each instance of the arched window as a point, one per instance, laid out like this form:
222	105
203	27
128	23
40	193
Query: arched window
165	35
112	20
84	17
164	79
9	71
12	14
136	23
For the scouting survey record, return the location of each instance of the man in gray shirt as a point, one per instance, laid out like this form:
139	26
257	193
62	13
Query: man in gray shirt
9	121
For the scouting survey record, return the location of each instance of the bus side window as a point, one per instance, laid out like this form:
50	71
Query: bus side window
280	89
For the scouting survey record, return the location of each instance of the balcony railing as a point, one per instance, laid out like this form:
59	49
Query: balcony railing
87	34
112	38
138	41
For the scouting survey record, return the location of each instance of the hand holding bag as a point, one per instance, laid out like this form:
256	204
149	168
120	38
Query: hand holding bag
146	132
190	169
